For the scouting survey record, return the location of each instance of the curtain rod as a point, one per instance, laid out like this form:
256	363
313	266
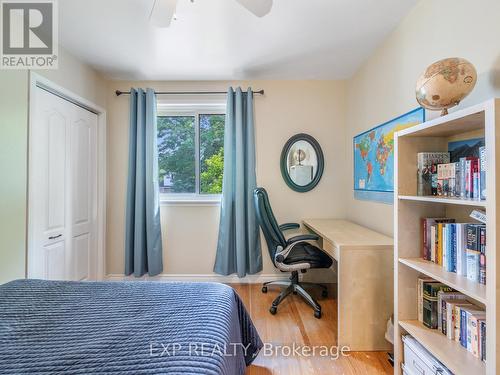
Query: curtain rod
118	92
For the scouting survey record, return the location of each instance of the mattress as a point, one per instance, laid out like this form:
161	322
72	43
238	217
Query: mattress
138	327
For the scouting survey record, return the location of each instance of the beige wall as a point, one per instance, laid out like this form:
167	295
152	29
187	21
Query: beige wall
13	149
384	87
190	232
78	77
74	76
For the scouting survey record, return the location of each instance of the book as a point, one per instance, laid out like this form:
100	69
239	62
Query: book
452	240
457	314
439	244
461	266
446	179
475	180
472	167
433	243
425	161
482	255
449	246
473	265
434	181
430	303
473	236
482	269
420	295
463	327
474	324
452	306
473	251
482	173
482	335
462	183
445	247
458	178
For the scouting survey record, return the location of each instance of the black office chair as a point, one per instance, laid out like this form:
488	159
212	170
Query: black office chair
292	255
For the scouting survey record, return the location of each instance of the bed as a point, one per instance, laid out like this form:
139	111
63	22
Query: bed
137	327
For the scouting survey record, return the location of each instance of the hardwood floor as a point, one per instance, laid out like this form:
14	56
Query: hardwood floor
295	323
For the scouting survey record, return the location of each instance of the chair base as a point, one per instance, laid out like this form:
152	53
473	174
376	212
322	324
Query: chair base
294	286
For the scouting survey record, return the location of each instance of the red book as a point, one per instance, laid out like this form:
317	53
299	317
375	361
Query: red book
471	165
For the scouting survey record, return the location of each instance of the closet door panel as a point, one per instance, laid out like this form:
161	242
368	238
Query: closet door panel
55	259
83	191
62	189
56	170
81	251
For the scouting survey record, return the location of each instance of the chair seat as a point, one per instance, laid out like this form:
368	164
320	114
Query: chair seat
308	253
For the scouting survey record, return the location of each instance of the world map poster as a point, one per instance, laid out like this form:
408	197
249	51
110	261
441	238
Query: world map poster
374	158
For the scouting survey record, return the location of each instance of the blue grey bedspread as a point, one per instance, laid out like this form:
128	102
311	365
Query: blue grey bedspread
63	327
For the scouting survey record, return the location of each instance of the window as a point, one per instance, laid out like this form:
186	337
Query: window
191	152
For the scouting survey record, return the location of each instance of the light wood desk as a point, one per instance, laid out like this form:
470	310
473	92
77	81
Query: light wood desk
364	260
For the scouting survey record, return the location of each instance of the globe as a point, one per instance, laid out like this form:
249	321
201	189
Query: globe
445	83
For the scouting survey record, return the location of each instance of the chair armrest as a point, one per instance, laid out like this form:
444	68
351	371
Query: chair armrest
303	237
288	226
282	254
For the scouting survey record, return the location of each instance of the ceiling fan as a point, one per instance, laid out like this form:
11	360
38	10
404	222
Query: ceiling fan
163	11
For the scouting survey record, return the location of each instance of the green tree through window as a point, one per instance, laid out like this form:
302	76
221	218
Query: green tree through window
177	153
211	153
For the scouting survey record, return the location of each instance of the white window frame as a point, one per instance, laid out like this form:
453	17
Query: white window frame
190	108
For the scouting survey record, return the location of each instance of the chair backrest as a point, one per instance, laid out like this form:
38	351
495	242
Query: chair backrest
272	233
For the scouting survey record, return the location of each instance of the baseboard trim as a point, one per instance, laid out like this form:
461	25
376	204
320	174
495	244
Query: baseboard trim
232	279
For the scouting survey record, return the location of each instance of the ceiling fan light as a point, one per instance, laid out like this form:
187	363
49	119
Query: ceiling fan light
258	7
163	12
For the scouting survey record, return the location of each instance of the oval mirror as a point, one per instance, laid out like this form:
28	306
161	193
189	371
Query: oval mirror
302	162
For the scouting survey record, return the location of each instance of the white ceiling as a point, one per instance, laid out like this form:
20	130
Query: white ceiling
219	39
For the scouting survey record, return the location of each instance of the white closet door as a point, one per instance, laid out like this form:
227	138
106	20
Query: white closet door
63	190
83	172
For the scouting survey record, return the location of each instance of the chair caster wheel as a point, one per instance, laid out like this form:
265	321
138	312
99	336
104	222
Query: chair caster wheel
317	314
324	293
264	289
273	310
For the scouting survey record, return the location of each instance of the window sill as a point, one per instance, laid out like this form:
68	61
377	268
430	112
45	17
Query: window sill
194	200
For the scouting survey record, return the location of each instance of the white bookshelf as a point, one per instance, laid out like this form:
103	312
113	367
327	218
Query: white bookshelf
477	121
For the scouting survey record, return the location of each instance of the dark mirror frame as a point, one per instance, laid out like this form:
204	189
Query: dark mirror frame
283	162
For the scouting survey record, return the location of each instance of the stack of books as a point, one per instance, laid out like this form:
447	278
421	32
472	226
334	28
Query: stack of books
464	179
442	308
457	247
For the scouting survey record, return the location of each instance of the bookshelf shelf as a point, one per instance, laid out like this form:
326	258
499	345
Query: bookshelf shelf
449	352
462	284
445	200
481	120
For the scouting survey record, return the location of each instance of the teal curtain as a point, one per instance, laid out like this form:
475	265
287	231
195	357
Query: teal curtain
238	246
143	246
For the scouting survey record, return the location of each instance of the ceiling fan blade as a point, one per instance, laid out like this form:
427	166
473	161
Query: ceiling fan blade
162	12
258	7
